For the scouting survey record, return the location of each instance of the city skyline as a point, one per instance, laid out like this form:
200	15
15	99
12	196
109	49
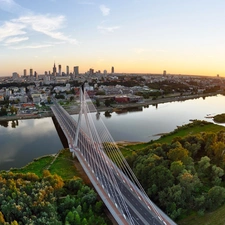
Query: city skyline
58	69
136	36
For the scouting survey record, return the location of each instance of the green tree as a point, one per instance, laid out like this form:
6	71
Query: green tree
204	168
98	207
191	184
97	102
71	98
159	177
49	99
13	110
219	150
172	200
177	167
107	102
177	153
215	197
216	175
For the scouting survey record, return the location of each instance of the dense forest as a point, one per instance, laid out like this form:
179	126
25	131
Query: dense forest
28	199
184	176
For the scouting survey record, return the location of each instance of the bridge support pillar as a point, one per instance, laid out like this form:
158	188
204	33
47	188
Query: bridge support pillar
82	99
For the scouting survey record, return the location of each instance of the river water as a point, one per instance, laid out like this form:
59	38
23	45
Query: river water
23	140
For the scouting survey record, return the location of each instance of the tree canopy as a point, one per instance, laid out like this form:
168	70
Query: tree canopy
28	199
185	175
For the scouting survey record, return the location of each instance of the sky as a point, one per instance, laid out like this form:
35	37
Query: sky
133	36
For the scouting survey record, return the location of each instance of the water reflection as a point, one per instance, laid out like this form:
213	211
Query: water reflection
37	137
31	139
129	109
163	118
107	114
14	123
4	123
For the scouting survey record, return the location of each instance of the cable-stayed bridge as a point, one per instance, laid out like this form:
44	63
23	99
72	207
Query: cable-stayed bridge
90	141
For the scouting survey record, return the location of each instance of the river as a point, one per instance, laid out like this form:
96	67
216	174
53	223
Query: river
23	140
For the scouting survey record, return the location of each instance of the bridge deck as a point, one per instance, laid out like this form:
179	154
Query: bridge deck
126	202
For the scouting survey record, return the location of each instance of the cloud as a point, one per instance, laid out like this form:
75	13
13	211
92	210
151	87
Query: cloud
9	29
108	29
15	40
32	46
45	24
105	11
28	21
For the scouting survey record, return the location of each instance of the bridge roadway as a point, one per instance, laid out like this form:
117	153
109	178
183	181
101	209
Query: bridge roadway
122	197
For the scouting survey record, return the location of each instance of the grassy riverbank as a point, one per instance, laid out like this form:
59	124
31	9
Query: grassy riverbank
190	129
212	218
61	164
220	118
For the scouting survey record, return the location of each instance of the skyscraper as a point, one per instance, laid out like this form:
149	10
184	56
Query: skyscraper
54	70
76	70
25	72
36	75
31	72
112	71
67	70
91	71
60	70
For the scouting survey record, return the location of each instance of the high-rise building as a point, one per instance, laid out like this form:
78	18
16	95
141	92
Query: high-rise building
164	72
67	70
54	70
112	71
91	71
15	75
76	70
60	70
25	72
31	72
36	75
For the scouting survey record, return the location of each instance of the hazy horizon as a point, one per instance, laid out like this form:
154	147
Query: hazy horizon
135	36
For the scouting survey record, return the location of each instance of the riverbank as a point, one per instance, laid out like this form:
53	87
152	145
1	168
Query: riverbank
114	107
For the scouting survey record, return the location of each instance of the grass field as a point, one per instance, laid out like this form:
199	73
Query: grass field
213	218
191	131
63	165
37	166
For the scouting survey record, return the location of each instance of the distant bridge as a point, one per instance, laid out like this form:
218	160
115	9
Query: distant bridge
90	141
